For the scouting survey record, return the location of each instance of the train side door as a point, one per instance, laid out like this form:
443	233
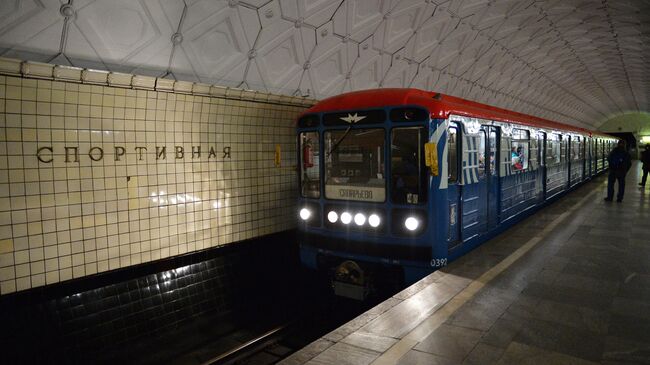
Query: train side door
565	158
473	186
569	157
583	149
454	189
592	157
589	145
543	162
596	156
492	138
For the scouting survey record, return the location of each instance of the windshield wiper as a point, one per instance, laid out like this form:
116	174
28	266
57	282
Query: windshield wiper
336	145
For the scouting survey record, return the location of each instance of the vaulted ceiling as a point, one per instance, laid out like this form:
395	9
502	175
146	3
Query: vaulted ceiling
576	61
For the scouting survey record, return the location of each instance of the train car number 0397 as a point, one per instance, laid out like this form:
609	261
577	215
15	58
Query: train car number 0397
438	262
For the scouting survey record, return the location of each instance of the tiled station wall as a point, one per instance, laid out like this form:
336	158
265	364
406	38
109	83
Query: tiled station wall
104	196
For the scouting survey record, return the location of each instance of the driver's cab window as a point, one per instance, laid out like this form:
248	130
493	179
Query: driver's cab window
408	185
309	165
354	164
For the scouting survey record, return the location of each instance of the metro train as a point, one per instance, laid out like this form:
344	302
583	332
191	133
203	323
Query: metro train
403	181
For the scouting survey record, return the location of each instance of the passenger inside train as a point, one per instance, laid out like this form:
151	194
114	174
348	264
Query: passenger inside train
519	149
516	159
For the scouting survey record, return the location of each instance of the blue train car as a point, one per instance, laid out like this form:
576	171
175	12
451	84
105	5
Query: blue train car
403	181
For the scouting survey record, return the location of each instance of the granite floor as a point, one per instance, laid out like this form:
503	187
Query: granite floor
570	285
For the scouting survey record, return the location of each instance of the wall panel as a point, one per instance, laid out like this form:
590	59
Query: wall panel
95	178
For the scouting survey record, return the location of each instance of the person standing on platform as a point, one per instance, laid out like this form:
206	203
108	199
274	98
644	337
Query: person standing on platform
619	164
645	158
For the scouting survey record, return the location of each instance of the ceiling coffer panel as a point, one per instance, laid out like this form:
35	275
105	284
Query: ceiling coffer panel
575	61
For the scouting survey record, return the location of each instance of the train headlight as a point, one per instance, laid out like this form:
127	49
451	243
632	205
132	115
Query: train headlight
346	218
359	219
305	214
374	220
332	216
408	222
411	223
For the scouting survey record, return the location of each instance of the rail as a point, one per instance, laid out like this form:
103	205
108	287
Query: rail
248	348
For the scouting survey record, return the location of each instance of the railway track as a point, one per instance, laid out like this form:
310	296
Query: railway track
262	344
282	340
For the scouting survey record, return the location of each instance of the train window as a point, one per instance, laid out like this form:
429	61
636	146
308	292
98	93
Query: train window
582	146
563	150
481	154
452	156
519	149
599	148
493	149
540	150
575	148
309	165
354	164
408	184
534	153
553	150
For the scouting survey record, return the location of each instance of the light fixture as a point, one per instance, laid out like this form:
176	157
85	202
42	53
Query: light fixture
305	214
374	220
346	218
411	223
332	216
359	219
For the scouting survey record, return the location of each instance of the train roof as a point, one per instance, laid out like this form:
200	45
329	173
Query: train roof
439	105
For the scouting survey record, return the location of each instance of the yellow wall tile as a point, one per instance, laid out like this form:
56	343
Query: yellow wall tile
6	246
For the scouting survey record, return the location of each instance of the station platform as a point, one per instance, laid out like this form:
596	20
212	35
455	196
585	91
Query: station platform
569	285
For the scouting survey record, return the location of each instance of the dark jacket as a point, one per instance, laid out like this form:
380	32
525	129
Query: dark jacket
619	161
645	158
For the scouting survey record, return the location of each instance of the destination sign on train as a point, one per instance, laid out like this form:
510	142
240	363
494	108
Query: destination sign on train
347	192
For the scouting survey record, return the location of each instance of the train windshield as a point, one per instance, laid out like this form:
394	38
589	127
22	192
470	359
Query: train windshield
354	165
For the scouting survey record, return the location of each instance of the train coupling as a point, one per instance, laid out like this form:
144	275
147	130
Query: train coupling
350	281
